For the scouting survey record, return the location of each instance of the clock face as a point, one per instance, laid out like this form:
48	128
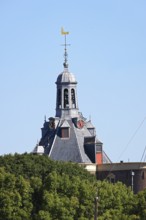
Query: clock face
80	123
51	124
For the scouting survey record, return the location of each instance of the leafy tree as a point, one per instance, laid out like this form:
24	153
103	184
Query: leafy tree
68	198
15	197
140	205
114	200
34	187
29	165
43	215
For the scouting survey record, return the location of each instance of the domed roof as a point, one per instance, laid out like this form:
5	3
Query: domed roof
66	77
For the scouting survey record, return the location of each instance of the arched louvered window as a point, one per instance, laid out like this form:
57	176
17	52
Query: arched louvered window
59	98
66	102
73	98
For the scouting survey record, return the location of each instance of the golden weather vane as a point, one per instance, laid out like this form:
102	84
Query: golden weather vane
64	32
65	45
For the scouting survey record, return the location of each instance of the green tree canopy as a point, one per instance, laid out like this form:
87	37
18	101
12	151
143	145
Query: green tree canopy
34	187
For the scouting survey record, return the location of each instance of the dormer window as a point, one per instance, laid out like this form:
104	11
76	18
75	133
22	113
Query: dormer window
65	130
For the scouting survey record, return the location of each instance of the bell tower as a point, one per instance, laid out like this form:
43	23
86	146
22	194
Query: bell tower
66	97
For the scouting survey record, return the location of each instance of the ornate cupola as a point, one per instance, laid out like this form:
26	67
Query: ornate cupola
66	98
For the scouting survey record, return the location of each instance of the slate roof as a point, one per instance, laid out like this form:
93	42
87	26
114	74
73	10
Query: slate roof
75	148
72	148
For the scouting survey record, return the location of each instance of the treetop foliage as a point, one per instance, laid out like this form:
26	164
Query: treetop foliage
34	187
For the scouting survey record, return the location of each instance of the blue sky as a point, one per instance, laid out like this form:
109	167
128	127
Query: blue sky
107	55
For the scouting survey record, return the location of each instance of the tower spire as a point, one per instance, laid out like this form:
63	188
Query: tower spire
65	64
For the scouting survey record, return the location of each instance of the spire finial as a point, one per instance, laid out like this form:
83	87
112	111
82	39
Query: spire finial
65	64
